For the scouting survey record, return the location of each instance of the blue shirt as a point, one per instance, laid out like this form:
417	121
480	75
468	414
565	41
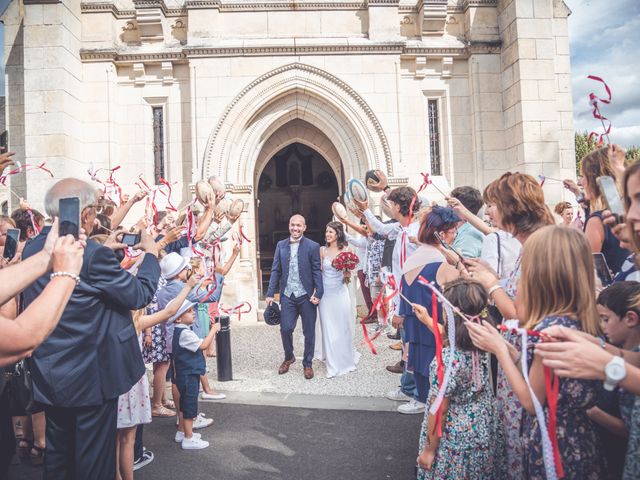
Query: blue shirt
469	241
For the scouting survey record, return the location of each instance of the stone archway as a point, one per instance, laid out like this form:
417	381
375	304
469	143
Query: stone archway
295	91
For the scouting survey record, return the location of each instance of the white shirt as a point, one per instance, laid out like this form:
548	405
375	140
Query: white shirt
395	231
509	252
188	339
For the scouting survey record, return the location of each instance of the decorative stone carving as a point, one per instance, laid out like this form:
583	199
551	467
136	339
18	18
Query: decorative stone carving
447	66
150	24
406	20
138	74
434	17
167	73
421	67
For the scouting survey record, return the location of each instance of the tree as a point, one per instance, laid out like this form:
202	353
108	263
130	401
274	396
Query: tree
633	154
584	146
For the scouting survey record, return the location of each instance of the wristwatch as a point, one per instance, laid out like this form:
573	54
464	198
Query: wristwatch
614	372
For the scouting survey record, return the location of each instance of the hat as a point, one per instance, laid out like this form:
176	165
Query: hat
172	264
272	314
186	305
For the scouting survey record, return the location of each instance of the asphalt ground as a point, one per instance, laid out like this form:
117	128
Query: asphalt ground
270	442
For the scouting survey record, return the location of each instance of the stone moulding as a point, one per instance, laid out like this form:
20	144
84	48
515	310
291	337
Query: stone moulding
235	134
121	57
271	5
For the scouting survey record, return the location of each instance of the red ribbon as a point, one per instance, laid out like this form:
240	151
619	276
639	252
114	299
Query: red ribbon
24	168
237	309
34	225
440	363
381	302
109	183
593	100
168	195
552	388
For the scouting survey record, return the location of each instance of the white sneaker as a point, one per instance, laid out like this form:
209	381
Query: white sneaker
412	408
194	443
201	422
397	396
180	436
213	396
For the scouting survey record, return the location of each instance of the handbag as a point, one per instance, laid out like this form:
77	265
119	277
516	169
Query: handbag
20	389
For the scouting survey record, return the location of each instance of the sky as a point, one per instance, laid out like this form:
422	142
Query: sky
604	37
605	42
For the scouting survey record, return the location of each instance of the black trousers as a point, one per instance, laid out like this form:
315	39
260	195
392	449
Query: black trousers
81	442
290	309
7	440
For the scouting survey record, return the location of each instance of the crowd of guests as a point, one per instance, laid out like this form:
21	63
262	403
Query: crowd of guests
81	316
526	367
532	313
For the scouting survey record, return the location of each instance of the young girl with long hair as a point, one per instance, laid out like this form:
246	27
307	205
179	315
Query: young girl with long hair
134	407
471	445
556	288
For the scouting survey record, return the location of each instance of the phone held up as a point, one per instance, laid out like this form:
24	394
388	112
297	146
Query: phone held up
611	197
131	239
11	243
448	247
69	213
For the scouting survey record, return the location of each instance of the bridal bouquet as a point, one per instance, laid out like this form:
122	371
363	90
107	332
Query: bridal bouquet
345	262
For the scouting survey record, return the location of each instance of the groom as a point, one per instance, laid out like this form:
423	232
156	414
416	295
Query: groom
296	273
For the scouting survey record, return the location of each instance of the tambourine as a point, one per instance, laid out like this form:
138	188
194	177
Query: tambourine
203	190
376	180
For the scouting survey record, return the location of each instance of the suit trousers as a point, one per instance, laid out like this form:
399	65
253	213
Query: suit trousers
290	309
81	442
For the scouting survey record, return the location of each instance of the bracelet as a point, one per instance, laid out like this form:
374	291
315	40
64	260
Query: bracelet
72	276
494	288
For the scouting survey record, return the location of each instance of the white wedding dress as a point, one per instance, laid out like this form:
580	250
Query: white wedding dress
334	345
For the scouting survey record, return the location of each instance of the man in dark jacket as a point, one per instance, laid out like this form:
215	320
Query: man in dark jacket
93	355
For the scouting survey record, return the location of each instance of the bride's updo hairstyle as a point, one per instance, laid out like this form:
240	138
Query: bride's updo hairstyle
438	219
341	239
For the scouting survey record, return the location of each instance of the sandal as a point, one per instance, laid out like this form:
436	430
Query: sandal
162	411
37	458
169	404
24	447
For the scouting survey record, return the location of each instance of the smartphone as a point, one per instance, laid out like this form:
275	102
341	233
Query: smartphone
131	239
69	221
4	141
11	243
449	247
611	196
602	269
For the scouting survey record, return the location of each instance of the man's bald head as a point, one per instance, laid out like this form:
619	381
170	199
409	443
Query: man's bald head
69	187
298	218
297	226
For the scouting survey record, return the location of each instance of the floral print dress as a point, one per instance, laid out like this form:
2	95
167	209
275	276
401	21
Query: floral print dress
471	446
576	433
630	413
509	407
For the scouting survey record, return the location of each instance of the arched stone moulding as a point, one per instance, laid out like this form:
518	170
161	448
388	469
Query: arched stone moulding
295	91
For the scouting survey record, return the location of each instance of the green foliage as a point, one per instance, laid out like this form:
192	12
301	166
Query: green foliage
584	146
633	154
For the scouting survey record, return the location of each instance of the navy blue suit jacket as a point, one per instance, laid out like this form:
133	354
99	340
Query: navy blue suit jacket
308	267
93	354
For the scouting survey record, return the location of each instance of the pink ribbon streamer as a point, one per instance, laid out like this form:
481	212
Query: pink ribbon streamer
23	168
593	101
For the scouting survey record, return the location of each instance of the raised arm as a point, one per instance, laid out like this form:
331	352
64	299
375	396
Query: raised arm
118	216
359	242
172	307
465	214
389	230
224	270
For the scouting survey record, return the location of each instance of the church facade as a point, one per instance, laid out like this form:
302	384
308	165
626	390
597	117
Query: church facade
287	100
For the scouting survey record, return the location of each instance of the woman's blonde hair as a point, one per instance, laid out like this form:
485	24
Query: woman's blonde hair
558	278
596	164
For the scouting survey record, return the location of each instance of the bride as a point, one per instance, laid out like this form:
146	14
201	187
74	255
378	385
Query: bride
336	343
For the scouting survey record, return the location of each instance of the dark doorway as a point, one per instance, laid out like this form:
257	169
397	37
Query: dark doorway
297	179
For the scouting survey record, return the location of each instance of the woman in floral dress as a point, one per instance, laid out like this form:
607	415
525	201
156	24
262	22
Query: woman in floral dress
471	446
556	292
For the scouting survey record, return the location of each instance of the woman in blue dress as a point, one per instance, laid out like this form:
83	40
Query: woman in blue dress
427	261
